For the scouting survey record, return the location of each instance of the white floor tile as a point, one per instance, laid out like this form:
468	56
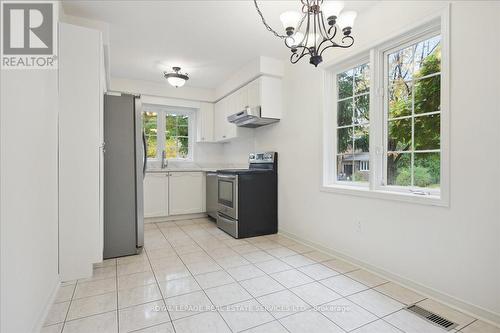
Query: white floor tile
366	278
346	314
309	321
480	327
214	279
136	280
138	295
193	257
102	323
411	323
94	288
179	287
245	315
227	294
318	271
188	305
318	256
93	305
376	303
174	272
315	293
262	285
65	293
132	268
273	266
57	328
101	273
283	303
272	327
378	326
207	322
291	278
257	256
298	260
162	328
142	316
246	272
232	261
57	313
340	265
399	293
281	252
202	267
245	248
343	285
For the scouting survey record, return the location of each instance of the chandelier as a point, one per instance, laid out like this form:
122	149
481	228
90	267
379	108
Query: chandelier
312	30
176	78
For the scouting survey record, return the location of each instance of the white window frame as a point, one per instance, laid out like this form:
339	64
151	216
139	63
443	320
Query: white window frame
162	111
332	163
438	24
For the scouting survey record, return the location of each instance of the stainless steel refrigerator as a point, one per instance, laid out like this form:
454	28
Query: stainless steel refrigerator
124	167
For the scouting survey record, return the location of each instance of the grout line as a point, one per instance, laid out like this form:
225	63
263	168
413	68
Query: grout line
159	288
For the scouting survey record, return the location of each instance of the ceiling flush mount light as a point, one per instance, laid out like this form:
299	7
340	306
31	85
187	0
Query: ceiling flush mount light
312	30
176	78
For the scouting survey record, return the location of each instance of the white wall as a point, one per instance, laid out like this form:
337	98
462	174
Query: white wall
454	252
161	89
28	201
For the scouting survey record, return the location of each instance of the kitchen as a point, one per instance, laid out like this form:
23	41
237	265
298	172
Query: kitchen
249	166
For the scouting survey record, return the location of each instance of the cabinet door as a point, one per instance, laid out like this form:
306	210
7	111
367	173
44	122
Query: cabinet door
187	193
219	121
205	123
231	108
253	93
241	99
156	195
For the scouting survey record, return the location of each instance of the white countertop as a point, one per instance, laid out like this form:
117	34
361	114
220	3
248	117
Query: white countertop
194	167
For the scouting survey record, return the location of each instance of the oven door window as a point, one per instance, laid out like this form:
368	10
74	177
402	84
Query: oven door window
226	192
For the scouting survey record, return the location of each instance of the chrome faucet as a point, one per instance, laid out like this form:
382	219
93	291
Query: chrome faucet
164	161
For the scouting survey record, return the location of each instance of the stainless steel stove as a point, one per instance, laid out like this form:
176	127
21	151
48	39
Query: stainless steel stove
248	198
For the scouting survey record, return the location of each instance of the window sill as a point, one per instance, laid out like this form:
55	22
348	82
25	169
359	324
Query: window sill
429	200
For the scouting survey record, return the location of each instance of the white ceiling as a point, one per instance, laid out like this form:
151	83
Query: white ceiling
208	39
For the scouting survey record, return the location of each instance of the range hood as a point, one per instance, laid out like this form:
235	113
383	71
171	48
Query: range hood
250	117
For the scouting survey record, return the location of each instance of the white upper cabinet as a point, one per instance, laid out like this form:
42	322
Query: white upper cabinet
205	123
265	91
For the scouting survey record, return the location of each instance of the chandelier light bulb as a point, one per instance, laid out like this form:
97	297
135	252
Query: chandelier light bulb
346	21
290	20
331	10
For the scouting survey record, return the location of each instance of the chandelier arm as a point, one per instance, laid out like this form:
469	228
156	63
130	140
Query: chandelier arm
268	27
322	28
340	45
295	57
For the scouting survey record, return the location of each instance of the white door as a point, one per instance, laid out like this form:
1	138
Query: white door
156	195
187	193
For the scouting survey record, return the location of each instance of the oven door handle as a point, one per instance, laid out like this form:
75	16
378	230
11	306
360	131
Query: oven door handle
227	176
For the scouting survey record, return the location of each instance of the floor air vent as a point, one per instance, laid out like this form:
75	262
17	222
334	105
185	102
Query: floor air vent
432	317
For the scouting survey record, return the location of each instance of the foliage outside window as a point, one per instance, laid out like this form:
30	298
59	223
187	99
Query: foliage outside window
176	136
353	106
150	126
414	115
171	125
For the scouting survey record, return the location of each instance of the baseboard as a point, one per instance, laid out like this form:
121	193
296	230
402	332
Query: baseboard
41	319
174	218
460	305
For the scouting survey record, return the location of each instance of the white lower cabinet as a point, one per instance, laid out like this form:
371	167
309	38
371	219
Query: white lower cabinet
187	195
156	194
174	193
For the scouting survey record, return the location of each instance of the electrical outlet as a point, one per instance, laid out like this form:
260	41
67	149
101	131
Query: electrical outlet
359	226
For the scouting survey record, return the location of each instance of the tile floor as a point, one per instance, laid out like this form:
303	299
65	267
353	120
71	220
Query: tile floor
192	277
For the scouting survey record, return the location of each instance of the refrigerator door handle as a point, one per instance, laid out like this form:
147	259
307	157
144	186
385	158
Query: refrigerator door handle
145	155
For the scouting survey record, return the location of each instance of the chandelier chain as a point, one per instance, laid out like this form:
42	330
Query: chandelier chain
268	27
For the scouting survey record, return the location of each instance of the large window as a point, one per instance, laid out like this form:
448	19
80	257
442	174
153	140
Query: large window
353	120
168	130
413	91
384	130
